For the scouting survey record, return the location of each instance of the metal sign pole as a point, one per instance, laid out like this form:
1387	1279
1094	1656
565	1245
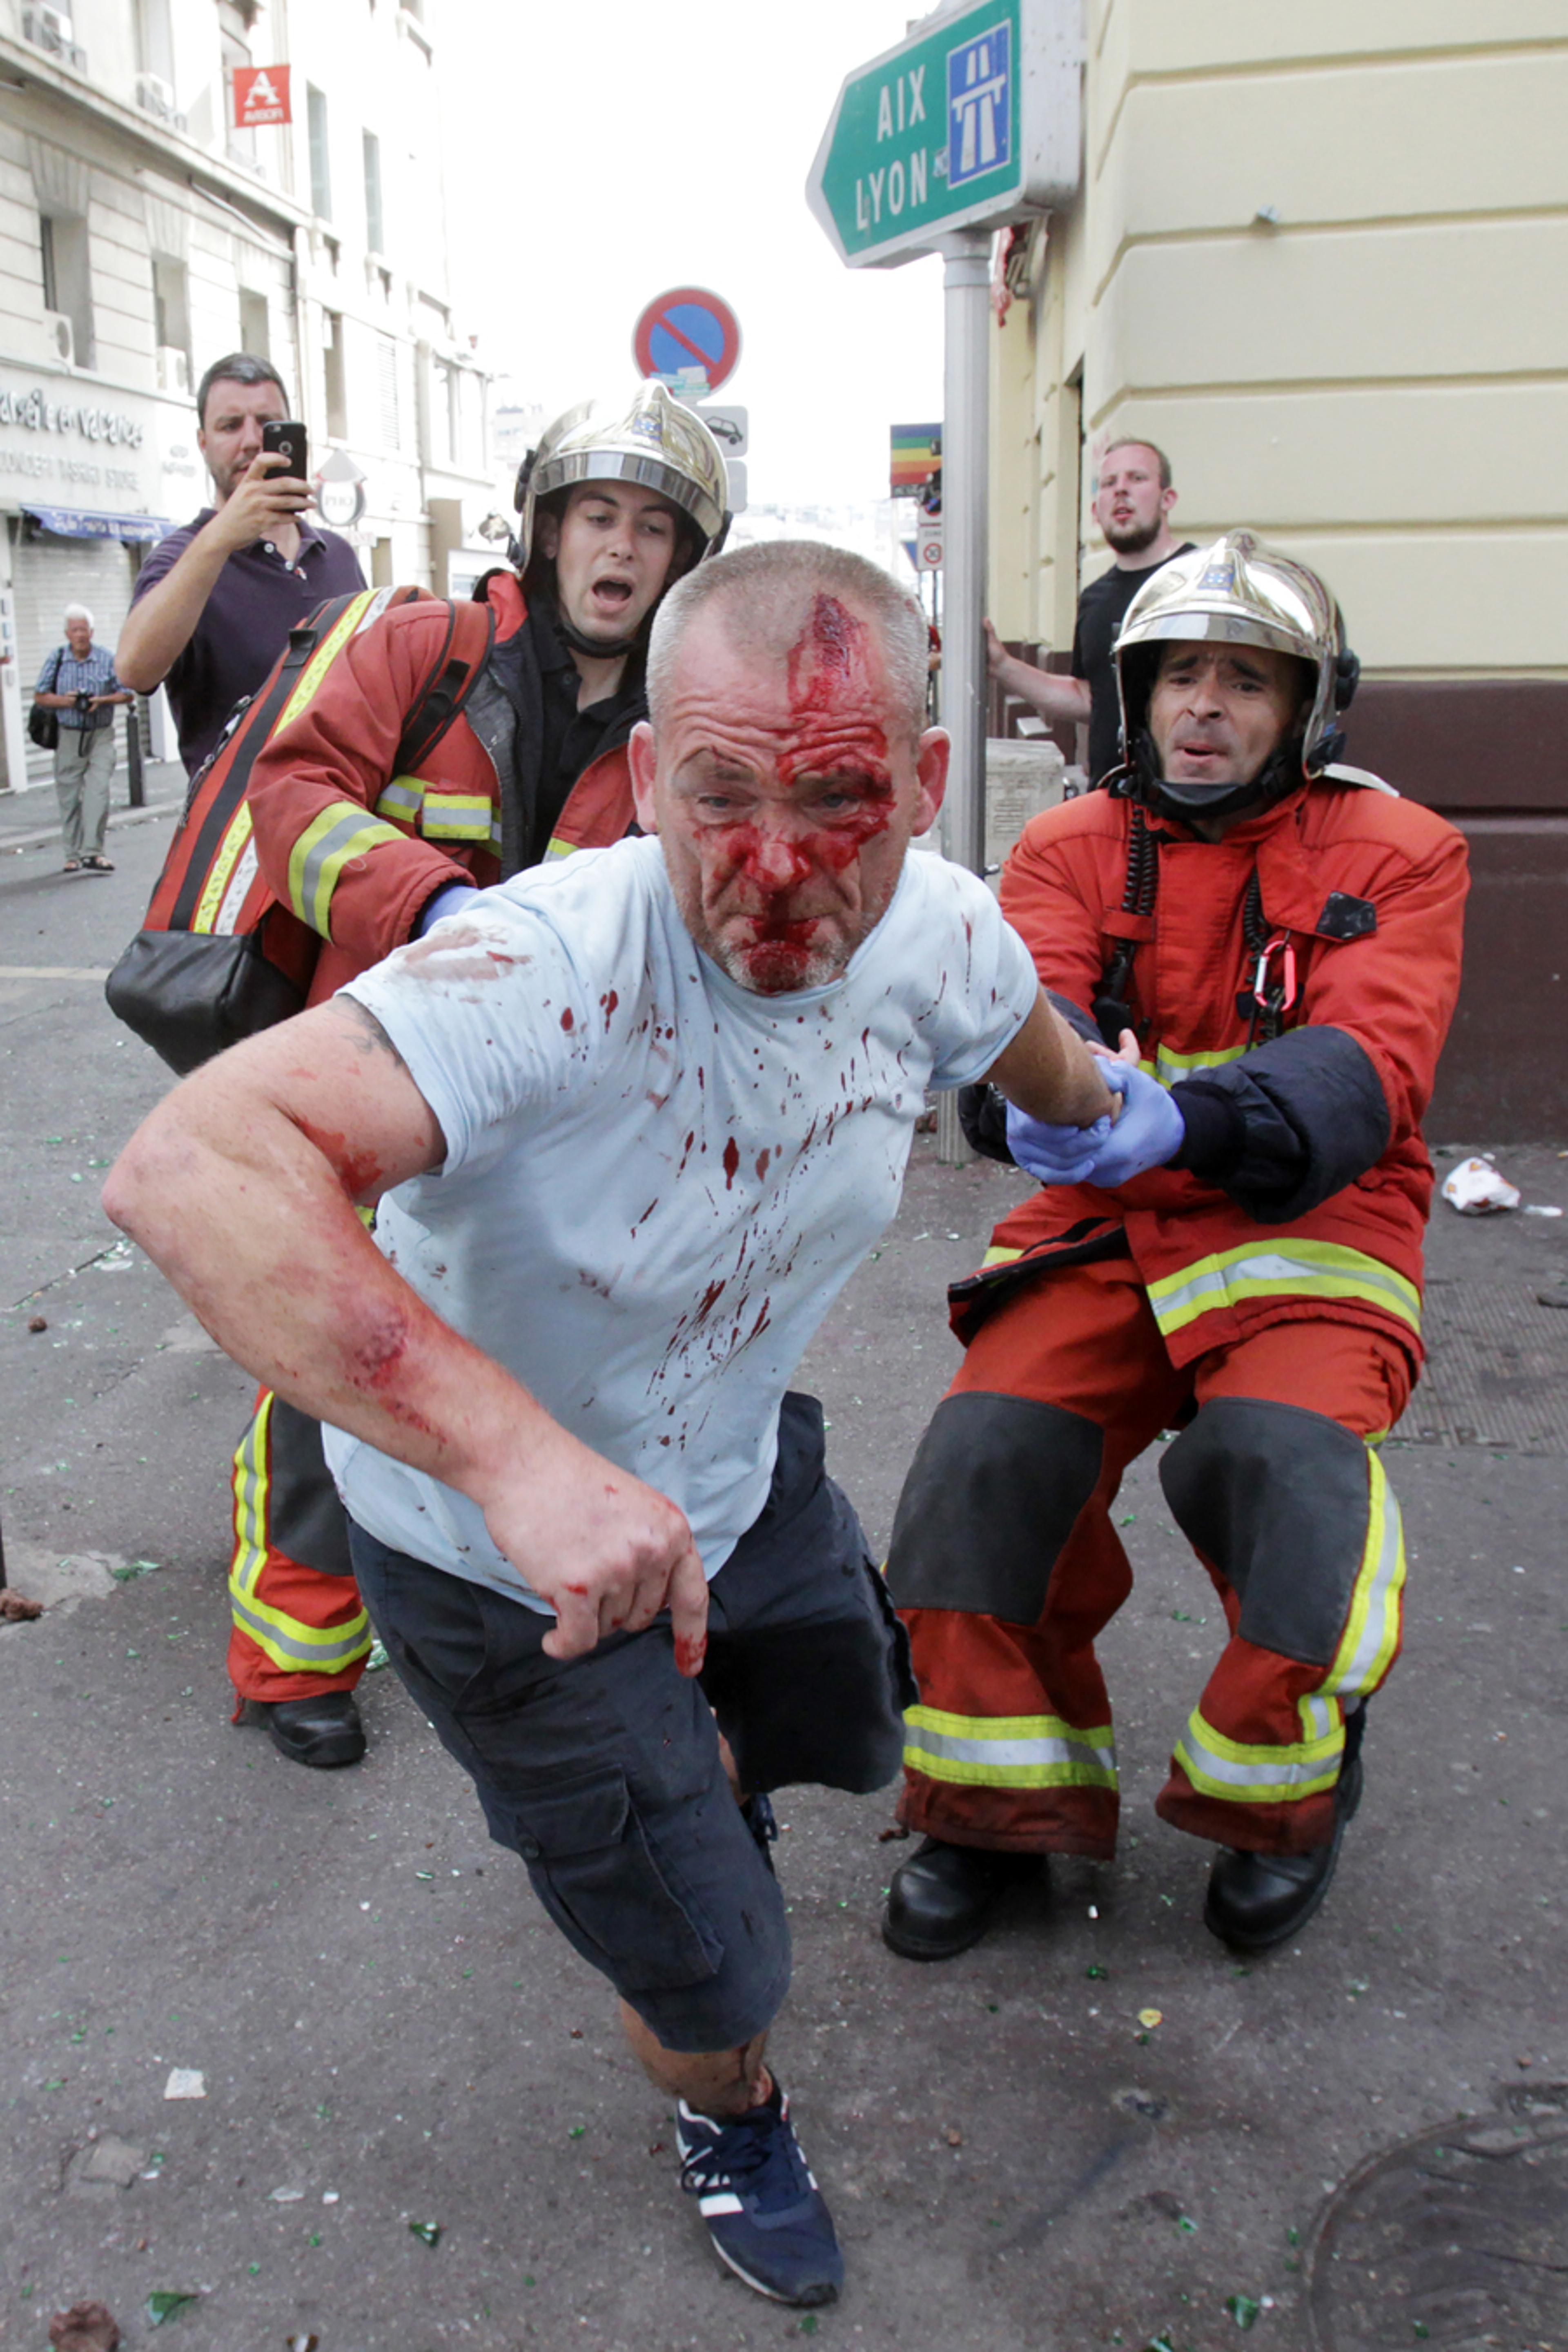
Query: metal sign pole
965	494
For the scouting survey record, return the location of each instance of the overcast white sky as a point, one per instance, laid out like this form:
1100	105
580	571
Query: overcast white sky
602	152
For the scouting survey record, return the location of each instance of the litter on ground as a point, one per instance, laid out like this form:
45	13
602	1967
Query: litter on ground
1476	1190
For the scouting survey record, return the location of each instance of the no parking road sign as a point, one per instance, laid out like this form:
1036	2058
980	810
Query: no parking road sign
691	340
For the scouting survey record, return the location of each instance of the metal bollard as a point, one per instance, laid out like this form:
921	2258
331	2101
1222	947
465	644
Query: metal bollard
952	1144
133	754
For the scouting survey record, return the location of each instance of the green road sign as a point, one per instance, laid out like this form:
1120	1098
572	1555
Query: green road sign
973	122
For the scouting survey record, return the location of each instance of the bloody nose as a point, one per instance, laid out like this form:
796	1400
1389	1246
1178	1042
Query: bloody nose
778	862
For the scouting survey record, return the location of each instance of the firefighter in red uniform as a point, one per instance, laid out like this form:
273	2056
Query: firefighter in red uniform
616	505
1271	940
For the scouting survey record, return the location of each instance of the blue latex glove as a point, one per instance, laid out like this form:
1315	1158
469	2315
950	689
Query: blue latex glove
1057	1155
452	900
1150	1129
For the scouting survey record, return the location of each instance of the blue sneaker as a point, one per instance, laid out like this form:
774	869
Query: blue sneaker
763	2210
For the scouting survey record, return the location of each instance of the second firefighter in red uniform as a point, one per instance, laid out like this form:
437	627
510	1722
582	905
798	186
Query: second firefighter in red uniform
1273	940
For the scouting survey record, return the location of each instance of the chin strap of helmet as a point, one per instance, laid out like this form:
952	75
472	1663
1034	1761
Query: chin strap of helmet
597	648
1278	776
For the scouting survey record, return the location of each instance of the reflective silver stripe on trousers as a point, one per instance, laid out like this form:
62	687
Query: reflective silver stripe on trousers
1271	1265
323	1654
1011	1752
1359	1669
1277	1769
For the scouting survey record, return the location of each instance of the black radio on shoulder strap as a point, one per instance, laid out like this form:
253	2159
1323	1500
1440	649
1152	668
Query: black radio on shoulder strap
1112	1007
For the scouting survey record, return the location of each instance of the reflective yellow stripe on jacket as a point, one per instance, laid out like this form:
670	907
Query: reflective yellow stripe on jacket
457	816
1168	1065
1017	1751
292	1646
1294	1268
1218	1767
437	814
236	841
326	653
343	830
212	913
402	800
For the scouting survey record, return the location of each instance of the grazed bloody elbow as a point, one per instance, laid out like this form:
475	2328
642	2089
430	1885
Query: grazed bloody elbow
357	1170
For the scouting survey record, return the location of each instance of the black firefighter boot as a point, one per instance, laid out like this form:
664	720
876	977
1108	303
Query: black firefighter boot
324	1731
945	1896
1258	1900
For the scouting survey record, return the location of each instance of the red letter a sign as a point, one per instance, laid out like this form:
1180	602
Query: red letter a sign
260	95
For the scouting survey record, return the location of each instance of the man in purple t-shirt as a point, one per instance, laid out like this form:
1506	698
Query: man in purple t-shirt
215	603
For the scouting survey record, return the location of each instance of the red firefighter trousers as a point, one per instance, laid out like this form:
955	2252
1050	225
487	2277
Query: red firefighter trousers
297	1629
1012	1745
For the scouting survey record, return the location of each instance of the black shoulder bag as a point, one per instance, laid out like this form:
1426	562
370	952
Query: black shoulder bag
44	726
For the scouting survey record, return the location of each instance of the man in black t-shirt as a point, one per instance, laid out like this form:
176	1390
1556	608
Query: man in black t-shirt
1132	502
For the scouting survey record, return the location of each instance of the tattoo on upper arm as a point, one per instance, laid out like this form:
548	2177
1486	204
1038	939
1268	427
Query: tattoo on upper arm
372	1038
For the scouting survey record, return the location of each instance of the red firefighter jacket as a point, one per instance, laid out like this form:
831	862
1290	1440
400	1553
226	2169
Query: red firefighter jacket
356	851
1321	1205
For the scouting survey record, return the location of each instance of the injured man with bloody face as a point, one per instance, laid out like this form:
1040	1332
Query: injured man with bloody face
630	1121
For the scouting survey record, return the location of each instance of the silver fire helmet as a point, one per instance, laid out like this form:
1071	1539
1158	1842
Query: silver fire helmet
1238	592
655	443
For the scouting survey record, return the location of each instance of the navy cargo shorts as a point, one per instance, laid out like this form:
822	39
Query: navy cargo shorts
604	1772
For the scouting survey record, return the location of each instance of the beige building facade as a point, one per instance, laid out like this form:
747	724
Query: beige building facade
1320	255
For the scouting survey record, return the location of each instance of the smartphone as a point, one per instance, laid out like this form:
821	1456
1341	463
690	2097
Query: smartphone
285	436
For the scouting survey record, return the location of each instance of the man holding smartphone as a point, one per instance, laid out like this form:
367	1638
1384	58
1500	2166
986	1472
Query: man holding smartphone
212	611
214	602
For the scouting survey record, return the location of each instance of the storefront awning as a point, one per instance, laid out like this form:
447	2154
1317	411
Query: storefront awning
82	522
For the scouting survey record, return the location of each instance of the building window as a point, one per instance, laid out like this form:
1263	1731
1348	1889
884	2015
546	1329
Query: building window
386	393
468	430
375	229
234	38
336	384
255	324
170	309
66	274
320	166
443	415
155	40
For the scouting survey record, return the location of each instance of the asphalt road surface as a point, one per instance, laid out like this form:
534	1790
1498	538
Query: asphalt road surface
388	2033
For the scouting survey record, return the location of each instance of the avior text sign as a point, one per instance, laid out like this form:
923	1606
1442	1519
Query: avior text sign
972	122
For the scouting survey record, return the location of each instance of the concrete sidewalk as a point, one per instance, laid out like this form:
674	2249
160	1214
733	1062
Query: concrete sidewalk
30	819
1096	2129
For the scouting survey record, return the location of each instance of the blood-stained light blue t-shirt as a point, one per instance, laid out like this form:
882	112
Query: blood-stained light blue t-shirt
657	1181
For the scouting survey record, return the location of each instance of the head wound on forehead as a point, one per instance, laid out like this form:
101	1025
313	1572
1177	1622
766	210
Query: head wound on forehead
817	610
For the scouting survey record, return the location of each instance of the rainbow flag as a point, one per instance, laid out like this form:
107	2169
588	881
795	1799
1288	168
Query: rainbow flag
916	457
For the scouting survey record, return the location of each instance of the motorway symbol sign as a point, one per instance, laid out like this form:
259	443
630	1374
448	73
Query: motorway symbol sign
690	338
972	122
